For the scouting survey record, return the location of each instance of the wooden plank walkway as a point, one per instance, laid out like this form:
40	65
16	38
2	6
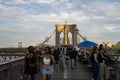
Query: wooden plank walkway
80	72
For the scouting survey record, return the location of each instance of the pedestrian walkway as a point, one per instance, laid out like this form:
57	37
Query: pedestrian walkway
80	72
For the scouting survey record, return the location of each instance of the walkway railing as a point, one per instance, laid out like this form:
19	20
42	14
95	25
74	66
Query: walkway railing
8	69
114	66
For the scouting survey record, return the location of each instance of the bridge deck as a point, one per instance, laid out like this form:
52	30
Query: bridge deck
80	72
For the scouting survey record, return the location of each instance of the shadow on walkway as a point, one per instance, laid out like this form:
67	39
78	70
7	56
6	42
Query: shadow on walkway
80	72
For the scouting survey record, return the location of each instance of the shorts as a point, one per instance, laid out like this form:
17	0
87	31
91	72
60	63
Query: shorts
47	69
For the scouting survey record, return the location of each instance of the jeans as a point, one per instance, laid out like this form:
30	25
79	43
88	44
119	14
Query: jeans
95	70
72	63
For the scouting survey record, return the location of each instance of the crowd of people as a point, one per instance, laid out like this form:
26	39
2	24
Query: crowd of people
43	61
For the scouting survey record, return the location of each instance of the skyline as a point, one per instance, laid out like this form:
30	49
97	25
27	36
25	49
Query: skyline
30	21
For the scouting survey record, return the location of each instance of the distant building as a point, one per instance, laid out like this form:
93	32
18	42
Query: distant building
19	44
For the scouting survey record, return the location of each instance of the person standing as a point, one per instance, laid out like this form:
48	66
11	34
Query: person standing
94	62
38	53
30	64
48	63
103	69
72	56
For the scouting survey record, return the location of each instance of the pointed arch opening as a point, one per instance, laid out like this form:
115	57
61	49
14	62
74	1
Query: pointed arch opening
70	38
61	38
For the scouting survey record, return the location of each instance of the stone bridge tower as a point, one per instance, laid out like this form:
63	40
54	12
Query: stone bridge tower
66	28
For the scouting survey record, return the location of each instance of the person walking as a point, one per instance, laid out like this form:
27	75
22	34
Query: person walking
48	63
94	62
56	54
72	56
30	64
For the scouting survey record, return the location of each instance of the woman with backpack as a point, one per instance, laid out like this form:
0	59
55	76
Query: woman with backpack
48	63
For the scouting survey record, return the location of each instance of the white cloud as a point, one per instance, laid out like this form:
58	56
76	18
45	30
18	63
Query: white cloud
19	37
16	2
99	17
113	9
117	29
7	30
84	6
45	1
69	5
110	9
109	28
59	17
3	7
113	29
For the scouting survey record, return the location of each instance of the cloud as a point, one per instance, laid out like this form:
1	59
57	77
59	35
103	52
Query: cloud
3	7
117	29
117	18
84	6
19	37
108	8
62	16
113	9
113	29
18	2
35	19
99	17
7	30
45	1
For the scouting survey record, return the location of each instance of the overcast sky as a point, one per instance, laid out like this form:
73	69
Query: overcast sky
30	21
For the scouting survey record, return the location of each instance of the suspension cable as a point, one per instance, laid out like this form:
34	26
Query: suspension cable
81	36
48	37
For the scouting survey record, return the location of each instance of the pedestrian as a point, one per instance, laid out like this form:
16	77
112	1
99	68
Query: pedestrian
30	64
72	56
94	62
38	53
56	54
48	63
103	69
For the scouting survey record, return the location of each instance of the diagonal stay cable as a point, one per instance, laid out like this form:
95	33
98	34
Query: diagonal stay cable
81	36
48	37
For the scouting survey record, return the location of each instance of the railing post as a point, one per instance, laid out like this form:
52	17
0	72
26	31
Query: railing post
9	71
118	71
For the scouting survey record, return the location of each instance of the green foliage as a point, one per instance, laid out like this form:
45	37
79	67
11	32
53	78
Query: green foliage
117	45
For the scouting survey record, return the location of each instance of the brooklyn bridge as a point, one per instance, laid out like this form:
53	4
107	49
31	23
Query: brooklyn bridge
10	69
